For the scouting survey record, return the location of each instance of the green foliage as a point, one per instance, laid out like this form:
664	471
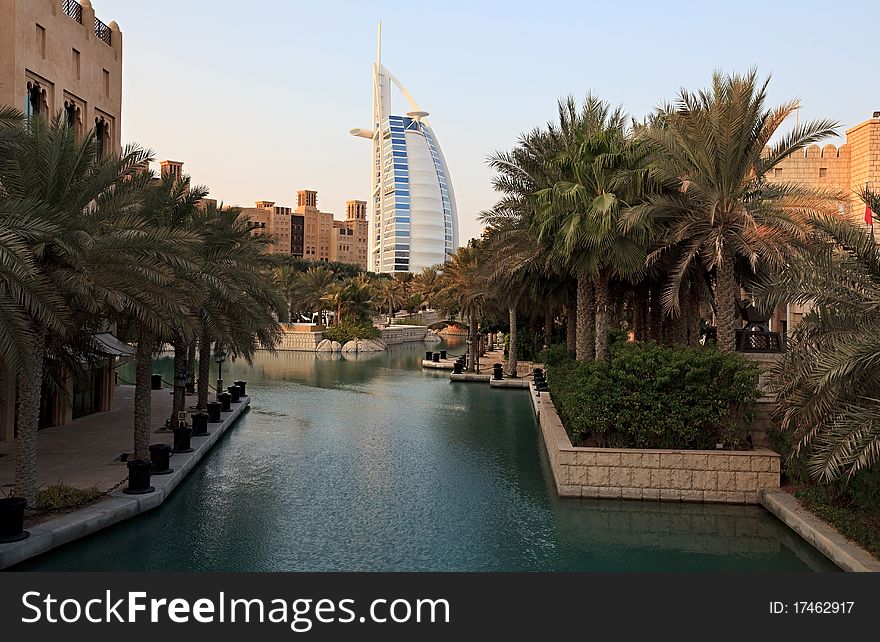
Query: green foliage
653	396
61	496
528	344
347	331
851	509
416	320
554	355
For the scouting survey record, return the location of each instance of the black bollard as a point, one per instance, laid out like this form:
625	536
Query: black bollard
456	367
428	354
435	357
538	372
182	436
139	477
200	424
443	354
497	373
214	408
155	381
235	393
225	400
12	519
542	386
241	386
160	454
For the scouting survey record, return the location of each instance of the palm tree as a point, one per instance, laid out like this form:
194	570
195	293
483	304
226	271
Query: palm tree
425	284
390	293
829	376
241	300
604	171
464	286
94	252
313	285
712	155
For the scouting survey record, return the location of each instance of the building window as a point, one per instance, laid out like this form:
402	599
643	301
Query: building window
76	64
41	41
823	172
102	134
777	172
106	84
73	115
36	100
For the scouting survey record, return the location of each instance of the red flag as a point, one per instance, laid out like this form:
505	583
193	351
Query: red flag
869	215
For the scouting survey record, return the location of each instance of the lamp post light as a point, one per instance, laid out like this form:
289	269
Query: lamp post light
220	357
180	382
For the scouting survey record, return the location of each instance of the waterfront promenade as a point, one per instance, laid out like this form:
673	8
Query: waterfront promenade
87	453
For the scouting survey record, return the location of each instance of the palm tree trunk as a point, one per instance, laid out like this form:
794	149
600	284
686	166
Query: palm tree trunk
191	364
179	399
143	419
725	292
30	388
693	322
601	283
512	358
204	369
655	315
570	329
585	341
472	349
548	326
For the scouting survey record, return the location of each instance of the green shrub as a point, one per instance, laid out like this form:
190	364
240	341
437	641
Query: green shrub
554	355
60	496
347	331
652	396
409	321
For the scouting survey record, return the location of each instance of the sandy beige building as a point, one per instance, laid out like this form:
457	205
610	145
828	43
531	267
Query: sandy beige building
847	169
349	242
57	55
272	219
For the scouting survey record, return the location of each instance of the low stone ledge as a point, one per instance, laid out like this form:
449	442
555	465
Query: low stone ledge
718	476
509	383
469	376
848	555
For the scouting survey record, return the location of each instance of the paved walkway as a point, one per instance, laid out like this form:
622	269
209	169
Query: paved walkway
86	452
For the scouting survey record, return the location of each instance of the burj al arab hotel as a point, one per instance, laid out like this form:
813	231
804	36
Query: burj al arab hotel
413	220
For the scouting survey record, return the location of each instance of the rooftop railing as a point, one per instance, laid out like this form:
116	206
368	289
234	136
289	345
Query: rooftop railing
102	31
73	9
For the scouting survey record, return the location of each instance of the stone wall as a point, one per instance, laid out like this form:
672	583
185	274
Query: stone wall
671	475
300	341
403	333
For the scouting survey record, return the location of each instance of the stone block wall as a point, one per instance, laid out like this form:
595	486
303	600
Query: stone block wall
670	475
403	333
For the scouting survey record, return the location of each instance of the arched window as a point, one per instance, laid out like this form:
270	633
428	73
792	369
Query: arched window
35	101
102	133
73	115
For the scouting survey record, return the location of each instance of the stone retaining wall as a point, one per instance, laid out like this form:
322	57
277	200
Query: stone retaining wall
300	341
672	475
403	333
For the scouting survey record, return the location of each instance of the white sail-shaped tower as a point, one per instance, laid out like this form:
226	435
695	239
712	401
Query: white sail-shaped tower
413	219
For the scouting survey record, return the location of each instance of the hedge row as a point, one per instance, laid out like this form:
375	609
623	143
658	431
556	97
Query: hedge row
652	396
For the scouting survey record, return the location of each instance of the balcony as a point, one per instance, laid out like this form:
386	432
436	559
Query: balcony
73	10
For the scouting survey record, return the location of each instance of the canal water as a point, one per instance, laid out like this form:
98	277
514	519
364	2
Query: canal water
371	464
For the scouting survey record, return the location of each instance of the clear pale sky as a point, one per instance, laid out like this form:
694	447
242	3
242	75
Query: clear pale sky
257	96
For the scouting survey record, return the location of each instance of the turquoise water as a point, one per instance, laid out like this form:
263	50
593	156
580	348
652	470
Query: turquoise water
375	465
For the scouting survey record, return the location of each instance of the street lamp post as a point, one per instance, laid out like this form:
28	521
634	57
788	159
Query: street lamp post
220	357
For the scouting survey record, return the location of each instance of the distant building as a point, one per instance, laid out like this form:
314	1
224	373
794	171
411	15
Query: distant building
847	169
349	242
57	55
413	218
311	234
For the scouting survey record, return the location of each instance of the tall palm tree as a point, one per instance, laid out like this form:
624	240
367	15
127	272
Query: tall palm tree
390	294
828	379
464	285
604	172
97	254
425	283
241	300
721	204
313	285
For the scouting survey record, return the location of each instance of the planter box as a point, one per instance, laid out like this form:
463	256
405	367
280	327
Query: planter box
724	476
